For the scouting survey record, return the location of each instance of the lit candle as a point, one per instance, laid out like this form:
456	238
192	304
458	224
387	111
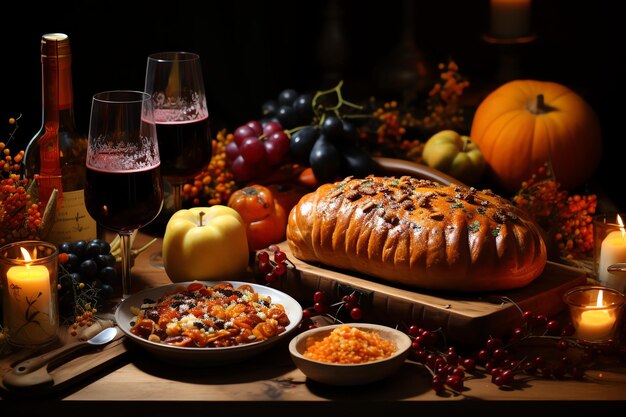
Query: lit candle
612	251
596	323
510	18
30	315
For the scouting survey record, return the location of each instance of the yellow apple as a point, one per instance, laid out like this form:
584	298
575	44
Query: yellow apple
455	155
205	243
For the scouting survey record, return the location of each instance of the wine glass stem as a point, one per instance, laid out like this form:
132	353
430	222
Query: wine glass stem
177	192
126	264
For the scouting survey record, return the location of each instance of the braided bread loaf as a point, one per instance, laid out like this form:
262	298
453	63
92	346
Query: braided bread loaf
418	233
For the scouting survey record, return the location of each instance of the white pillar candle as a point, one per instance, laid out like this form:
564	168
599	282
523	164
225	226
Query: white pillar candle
510	18
612	251
30	316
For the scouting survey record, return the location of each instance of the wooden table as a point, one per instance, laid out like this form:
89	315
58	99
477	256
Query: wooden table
134	383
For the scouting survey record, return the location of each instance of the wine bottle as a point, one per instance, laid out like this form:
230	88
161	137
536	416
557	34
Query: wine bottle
55	157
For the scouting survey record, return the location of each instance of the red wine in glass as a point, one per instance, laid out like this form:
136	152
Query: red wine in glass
124	188
137	206
184	146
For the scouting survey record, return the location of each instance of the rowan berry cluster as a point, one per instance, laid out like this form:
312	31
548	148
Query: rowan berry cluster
215	183
567	218
444	110
20	216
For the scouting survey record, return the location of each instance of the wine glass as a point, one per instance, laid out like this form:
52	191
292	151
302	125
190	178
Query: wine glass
124	189
174	80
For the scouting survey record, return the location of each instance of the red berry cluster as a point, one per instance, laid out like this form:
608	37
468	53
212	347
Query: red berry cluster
322	306
447	368
500	359
274	268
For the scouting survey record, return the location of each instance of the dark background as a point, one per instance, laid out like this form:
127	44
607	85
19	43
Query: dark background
251	50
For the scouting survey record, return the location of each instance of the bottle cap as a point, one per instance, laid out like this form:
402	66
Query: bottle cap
55	45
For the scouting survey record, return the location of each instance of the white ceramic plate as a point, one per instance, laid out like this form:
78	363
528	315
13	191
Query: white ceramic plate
348	374
205	356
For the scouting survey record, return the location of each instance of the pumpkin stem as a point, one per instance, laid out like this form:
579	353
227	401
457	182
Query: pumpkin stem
201	214
540	102
539	106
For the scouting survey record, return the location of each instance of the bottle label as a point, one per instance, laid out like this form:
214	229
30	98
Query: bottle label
72	221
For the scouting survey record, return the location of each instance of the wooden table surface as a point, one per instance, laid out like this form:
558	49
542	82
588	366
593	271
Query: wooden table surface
270	384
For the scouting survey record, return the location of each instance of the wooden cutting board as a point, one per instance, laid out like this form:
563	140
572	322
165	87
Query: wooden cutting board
466	318
56	376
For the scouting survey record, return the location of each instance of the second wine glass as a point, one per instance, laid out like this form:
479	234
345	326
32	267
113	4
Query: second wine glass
175	82
124	189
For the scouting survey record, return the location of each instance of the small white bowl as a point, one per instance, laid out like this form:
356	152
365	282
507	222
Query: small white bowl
349	374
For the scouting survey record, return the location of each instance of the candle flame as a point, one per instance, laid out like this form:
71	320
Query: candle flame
621	226
26	254
599	302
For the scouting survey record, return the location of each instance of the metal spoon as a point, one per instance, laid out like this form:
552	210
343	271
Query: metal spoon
30	365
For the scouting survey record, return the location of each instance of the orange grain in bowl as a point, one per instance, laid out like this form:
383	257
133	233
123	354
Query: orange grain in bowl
349	345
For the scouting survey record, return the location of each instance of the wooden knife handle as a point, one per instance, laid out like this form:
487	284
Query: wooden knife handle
37	362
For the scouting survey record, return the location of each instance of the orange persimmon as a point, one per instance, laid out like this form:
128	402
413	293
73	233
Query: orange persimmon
288	194
265	218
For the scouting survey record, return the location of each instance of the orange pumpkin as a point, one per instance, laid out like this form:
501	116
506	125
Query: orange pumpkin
265	218
525	123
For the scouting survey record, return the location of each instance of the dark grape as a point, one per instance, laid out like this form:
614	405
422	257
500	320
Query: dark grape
105	260
75	277
93	249
302	143
88	269
65	247
79	247
304	107
269	108
332	127
358	162
106	291
287	97
325	160
350	131
72	261
107	275
287	116
104	245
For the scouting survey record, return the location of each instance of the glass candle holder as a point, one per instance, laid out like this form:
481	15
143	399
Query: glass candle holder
29	292
595	311
609	239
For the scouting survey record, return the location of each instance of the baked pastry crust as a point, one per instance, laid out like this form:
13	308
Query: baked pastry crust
418	233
